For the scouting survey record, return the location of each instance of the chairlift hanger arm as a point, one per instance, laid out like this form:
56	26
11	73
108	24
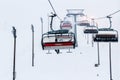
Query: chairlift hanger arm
109	17
52	16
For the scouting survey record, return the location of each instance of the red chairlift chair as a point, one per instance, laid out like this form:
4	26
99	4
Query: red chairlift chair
66	25
83	23
58	41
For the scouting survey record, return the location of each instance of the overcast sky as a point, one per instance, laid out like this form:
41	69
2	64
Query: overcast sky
66	66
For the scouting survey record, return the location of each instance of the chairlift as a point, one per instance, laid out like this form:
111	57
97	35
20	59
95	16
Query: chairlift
75	13
106	35
66	25
58	41
83	23
91	30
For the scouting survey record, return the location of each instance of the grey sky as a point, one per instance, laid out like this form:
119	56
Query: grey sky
75	66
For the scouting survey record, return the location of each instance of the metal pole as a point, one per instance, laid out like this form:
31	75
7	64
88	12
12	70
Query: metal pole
96	65
110	61
98	54
69	51
14	57
87	38
92	41
48	23
32	27
41	25
75	30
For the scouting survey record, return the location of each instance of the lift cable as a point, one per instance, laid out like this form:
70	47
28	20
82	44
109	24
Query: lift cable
114	13
109	17
54	10
106	16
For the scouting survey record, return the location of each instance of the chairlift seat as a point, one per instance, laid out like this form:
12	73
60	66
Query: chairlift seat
90	31
58	32
58	45
66	25
106	29
83	23
58	41
106	37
